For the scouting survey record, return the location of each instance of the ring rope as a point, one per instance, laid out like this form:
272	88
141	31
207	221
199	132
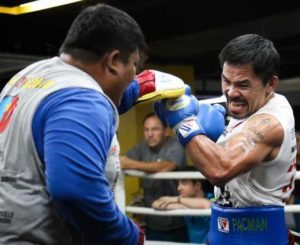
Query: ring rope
174	175
183	212
193	212
166	175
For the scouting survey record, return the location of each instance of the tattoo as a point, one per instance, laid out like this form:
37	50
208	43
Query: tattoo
266	121
242	148
248	143
256	133
251	139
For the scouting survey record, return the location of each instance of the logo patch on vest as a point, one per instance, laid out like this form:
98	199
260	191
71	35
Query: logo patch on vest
223	224
7	107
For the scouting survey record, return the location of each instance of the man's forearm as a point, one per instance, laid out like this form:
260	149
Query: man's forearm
195	202
168	204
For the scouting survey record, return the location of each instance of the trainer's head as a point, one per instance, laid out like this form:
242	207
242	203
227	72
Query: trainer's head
106	43
250	69
155	132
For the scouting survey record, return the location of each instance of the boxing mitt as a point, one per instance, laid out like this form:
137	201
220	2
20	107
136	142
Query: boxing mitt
149	86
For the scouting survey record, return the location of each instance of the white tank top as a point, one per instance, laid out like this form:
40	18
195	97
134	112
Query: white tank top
270	183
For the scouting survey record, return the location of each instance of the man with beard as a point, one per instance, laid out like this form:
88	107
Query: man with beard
253	164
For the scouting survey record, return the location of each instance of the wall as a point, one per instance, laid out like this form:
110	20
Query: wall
131	129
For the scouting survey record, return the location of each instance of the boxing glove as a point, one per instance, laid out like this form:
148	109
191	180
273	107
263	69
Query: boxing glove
157	108
149	86
212	119
181	115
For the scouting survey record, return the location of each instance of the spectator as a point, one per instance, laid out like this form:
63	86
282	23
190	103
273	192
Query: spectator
158	153
193	193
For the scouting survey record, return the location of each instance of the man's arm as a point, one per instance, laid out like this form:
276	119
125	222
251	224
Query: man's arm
195	202
148	167
74	149
178	202
259	141
167	203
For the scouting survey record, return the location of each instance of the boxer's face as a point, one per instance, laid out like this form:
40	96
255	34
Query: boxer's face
154	132
245	92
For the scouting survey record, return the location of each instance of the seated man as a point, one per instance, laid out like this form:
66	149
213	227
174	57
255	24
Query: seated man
158	153
193	193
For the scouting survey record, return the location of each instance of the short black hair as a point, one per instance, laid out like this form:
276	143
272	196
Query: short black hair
207	187
100	29
254	50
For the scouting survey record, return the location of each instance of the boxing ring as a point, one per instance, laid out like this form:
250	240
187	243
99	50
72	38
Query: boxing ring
184	175
181	212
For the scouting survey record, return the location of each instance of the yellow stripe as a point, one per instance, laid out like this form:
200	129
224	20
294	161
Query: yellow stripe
7	10
35	6
165	94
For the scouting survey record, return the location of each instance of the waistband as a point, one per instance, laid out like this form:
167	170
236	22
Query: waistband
248	226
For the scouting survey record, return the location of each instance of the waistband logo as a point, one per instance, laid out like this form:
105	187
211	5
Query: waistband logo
223	224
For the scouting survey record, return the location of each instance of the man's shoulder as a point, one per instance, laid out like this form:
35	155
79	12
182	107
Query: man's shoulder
172	141
172	145
141	145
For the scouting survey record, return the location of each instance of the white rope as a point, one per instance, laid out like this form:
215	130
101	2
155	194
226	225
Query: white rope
167	175
182	212
174	175
193	212
173	212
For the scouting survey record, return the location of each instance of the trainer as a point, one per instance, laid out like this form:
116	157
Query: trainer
59	152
